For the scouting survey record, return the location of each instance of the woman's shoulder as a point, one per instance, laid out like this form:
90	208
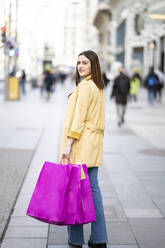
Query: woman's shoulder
86	84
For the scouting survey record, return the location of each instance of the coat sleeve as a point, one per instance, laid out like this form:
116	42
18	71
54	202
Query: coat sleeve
82	104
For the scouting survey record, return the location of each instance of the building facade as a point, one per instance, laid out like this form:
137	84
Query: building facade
101	21
131	33
137	34
79	32
3	23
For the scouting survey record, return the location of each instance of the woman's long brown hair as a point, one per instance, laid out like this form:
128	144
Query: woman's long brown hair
96	74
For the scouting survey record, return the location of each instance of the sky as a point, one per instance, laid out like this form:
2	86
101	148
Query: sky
45	18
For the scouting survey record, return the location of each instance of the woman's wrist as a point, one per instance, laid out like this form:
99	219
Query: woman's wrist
70	142
68	147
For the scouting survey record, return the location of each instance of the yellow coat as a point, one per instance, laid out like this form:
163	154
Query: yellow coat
84	121
134	87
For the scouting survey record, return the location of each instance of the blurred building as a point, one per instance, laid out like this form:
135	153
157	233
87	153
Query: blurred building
131	32
30	37
74	25
137	30
2	55
79	32
101	20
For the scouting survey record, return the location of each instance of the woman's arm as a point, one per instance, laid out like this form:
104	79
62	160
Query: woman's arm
82	104
67	151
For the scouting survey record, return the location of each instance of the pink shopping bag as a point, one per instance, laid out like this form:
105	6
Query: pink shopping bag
60	196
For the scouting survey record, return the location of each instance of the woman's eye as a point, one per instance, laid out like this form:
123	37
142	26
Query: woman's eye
83	63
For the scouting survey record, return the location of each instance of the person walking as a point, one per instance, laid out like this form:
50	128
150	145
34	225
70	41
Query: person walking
120	91
105	79
161	77
48	81
41	83
151	83
82	140
134	87
23	82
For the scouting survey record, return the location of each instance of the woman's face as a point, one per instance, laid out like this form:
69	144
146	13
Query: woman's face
83	66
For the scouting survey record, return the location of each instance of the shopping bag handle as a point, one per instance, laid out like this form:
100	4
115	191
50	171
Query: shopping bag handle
65	158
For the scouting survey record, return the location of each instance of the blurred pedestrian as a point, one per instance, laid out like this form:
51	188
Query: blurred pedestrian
151	83
41	83
161	77
120	91
106	80
62	76
48	81
23	82
82	140
134	86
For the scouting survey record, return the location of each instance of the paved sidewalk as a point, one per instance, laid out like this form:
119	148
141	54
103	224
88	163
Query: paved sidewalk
131	180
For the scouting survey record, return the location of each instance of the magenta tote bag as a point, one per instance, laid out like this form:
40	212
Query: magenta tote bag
60	196
48	201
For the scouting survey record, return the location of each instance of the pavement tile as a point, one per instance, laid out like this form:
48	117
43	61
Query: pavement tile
120	234
150	233
136	142
27	190
118	168
22	203
151	176
58	234
63	246
128	188
26	232
58	238
161	209
155	193
108	194
55	228
19	212
26	222
86	246
146	165
112	160
143	213
159	199
58	246
14	164
113	210
24	138
123	246
24	243
24	197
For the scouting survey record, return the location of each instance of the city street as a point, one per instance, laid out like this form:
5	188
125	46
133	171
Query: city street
132	178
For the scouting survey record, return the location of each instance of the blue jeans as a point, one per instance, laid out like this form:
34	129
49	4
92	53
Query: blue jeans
98	228
151	96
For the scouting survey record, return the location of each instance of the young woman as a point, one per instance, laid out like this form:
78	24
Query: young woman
82	139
